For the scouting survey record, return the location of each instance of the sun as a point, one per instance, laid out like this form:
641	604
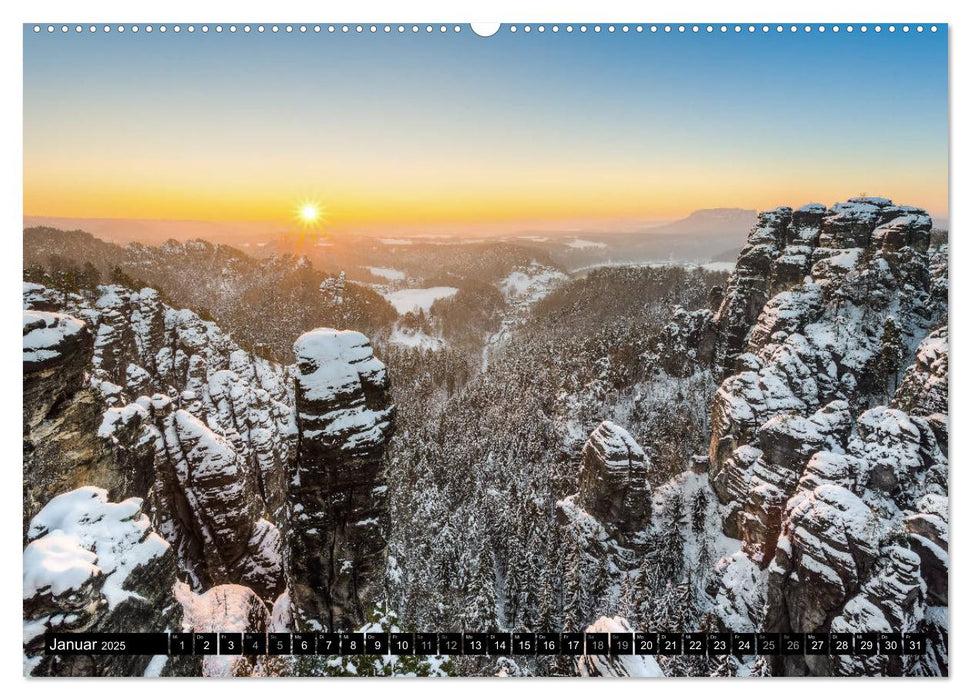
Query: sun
311	219
309	213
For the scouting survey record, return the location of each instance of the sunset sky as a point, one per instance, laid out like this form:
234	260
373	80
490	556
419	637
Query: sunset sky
385	130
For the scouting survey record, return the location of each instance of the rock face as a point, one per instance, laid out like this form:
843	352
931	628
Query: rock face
923	389
830	548
336	490
127	394
827	452
124	393
815	349
57	350
603	527
91	565
211	511
613	479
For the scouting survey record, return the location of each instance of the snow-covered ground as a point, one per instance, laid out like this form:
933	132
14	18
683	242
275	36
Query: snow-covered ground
415	339
530	284
388	273
395	241
580	243
522	288
405	300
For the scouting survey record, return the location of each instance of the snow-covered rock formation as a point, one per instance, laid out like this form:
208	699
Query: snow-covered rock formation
91	565
336	490
137	400
633	666
830	458
164	406
613	480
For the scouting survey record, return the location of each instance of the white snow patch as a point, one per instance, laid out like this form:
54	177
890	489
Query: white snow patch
44	332
405	300
617	666
530	284
415	339
79	535
388	273
580	243
155	666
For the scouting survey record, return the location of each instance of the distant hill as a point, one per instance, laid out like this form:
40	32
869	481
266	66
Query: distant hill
716	222
155	231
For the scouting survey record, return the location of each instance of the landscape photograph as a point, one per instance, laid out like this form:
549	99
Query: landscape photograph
575	350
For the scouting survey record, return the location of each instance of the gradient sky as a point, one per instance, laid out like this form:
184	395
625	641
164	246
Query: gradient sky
405	129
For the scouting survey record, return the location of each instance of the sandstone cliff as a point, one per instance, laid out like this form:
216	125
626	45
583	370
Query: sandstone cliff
828	453
336	489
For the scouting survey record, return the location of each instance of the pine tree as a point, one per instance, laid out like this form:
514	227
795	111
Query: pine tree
551	587
703	564
643	591
626	606
481	613
891	353
574	593
699	511
670	545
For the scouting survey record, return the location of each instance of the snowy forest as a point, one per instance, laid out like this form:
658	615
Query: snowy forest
481	436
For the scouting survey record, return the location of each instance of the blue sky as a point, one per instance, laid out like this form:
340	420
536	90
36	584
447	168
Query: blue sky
401	127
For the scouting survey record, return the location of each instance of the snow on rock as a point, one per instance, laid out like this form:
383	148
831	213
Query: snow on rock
203	478
56	352
815	334
337	371
828	548
928	535
613	479
225	608
175	409
923	389
94	565
78	529
897	450
757	481
813	468
617	666
892	600
48	337
740	595
123	416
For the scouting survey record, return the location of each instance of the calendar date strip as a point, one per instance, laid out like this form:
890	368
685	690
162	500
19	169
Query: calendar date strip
485	644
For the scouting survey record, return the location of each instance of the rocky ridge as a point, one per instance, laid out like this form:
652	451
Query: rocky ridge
827	453
125	393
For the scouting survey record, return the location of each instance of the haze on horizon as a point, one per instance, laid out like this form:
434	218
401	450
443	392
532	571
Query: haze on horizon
463	133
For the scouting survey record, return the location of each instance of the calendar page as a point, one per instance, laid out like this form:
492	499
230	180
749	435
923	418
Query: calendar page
546	349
